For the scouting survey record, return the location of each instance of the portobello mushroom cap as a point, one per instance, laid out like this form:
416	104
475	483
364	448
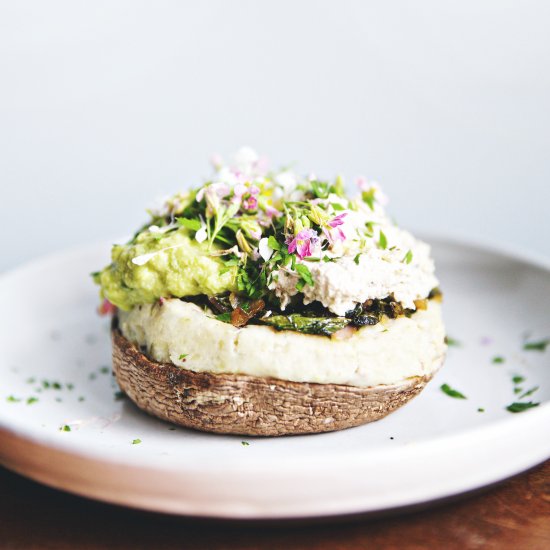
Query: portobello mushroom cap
251	405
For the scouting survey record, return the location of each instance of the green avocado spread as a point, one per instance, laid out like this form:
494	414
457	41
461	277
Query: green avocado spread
156	265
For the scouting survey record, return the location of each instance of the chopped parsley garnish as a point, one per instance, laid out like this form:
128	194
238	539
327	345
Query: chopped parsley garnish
408	257
32	400
320	189
452	342
541	345
31	380
383	241
498	360
305	276
65	428
529	392
245	443
13	399
368	197
136	441
273	243
194	225
445	388
356	259
520	407
481	410
518	379
183	356
518	390
56	385
104	370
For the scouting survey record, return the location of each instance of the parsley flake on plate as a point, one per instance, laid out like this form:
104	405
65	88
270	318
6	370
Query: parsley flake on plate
520	407
445	388
541	345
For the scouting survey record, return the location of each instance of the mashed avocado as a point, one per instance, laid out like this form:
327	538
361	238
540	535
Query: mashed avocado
183	267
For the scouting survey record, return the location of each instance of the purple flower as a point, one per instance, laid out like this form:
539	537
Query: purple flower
303	243
272	212
335	233
250	202
246	195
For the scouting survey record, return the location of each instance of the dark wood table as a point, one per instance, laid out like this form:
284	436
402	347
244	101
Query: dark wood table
514	515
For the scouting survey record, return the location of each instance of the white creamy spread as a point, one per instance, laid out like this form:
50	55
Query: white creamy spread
386	353
361	270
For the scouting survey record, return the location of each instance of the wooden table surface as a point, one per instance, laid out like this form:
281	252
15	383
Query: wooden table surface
514	515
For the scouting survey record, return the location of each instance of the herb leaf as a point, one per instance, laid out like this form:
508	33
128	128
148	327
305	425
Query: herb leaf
356	259
368	197
518	379
305	274
189	223
445	388
273	243
408	257
541	345
498	360
320	189
183	356
308	325
529	392
520	407
136	441
452	342
383	241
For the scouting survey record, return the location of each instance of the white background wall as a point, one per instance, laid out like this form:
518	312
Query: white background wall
105	105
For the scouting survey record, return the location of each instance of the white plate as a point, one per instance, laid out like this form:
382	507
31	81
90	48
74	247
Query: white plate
434	447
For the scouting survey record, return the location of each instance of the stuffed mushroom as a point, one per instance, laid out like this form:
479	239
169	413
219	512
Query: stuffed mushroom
264	303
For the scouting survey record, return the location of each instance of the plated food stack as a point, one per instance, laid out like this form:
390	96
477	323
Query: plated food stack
265	303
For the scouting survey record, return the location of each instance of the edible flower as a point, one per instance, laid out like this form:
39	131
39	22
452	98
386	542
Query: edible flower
202	234
246	195
106	308
213	193
303	243
335	233
264	249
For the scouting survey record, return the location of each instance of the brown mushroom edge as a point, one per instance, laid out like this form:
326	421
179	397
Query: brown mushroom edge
249	405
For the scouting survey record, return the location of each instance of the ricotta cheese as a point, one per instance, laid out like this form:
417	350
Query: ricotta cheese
359	269
386	353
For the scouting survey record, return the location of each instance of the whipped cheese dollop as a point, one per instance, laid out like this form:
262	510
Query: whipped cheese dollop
390	263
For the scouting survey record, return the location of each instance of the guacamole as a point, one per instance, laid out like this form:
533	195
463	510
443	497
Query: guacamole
156	264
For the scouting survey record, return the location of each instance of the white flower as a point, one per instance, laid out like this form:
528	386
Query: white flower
201	235
144	258
287	180
159	230
245	160
264	249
